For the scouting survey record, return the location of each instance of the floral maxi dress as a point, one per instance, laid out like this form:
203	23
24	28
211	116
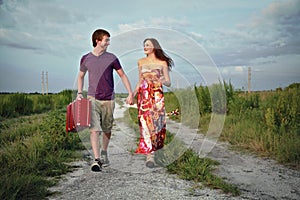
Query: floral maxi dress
151	110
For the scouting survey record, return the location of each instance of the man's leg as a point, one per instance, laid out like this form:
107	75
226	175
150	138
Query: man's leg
105	143
94	137
106	139
107	124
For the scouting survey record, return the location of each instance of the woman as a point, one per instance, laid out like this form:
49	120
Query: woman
153	74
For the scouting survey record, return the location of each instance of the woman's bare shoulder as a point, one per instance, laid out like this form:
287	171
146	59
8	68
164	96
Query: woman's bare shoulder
163	63
142	61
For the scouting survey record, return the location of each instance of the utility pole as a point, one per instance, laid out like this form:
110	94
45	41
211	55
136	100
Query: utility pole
249	80
46	83
43	83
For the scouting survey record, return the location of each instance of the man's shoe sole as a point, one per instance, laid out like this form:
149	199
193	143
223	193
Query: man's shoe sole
96	168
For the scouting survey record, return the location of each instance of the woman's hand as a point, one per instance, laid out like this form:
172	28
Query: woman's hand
129	99
164	82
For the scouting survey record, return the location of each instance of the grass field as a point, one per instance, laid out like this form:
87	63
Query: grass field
34	147
34	152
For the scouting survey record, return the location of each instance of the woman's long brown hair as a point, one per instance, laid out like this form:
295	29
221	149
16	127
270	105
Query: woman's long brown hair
159	53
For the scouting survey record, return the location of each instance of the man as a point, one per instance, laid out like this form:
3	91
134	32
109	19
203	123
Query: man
100	65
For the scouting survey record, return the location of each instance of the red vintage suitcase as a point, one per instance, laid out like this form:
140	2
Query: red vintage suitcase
70	124
79	114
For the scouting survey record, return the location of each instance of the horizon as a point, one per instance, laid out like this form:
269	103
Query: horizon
168	90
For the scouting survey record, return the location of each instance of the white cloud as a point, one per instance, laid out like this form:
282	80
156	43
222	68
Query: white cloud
197	36
132	26
273	31
155	22
231	70
239	68
169	22
43	28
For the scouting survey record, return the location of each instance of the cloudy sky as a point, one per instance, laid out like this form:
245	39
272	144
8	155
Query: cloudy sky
208	39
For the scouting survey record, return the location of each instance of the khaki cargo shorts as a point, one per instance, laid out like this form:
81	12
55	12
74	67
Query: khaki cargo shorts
102	115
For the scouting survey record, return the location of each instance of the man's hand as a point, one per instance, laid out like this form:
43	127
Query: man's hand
79	96
129	99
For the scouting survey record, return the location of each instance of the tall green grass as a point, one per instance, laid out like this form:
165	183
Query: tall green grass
267	123
36	154
15	129
19	104
269	126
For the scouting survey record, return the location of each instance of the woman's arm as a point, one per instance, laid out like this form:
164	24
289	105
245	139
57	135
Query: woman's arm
166	77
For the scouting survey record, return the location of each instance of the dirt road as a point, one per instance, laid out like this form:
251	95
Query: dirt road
128	178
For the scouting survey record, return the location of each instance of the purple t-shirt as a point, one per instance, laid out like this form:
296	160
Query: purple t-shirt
100	70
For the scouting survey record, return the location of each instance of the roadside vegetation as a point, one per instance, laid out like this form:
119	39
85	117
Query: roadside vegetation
34	149
266	123
20	104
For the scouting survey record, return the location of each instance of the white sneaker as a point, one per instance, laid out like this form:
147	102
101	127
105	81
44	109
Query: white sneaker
96	166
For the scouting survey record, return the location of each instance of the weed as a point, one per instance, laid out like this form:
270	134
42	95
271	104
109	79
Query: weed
190	167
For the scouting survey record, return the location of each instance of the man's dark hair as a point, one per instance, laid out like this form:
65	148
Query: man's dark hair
98	35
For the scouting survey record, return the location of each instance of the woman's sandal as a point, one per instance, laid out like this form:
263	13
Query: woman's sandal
150	161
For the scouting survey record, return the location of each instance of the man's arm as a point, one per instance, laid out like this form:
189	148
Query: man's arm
80	82
125	80
139	80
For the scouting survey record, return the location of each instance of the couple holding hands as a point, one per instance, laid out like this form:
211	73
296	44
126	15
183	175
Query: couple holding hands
153	74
